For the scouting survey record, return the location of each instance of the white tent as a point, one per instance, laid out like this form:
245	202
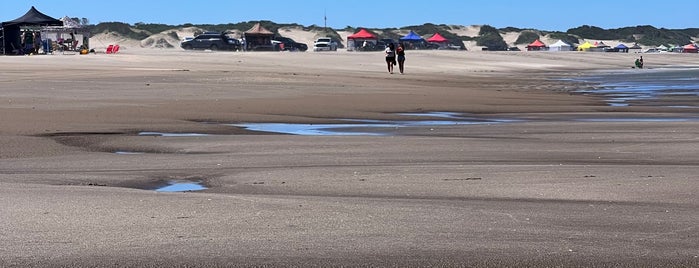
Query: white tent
560	46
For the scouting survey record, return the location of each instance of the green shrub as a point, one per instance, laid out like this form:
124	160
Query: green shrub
527	37
491	38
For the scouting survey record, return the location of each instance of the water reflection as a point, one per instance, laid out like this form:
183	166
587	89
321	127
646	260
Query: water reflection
676	88
167	134
376	127
181	187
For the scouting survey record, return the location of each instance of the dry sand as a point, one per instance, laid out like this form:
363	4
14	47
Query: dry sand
547	191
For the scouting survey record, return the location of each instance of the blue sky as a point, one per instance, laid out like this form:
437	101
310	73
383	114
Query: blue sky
542	14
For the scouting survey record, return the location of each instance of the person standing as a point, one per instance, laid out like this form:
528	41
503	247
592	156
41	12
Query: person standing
37	42
400	51
390	57
28	45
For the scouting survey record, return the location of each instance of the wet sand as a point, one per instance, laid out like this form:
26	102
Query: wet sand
550	190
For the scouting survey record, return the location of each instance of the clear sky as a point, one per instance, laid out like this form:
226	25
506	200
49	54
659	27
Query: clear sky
543	14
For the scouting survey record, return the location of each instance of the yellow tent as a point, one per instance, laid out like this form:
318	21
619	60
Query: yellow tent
585	46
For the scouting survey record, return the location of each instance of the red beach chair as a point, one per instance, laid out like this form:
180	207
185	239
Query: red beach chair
115	49
110	49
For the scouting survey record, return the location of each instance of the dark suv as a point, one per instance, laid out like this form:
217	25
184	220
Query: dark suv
213	41
290	44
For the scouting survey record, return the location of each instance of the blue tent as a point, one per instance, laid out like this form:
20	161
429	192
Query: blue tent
621	48
411	37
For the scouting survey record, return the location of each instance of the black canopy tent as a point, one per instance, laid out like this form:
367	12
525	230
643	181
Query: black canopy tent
30	21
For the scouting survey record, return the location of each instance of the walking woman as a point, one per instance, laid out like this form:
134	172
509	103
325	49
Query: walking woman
390	57
401	57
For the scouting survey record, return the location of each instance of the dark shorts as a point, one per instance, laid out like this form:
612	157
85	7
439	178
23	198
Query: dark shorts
390	59
401	58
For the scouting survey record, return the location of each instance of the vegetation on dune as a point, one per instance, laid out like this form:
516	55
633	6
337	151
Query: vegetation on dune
120	28
490	37
644	35
568	38
527	37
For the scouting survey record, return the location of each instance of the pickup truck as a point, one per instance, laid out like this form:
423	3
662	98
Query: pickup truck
324	44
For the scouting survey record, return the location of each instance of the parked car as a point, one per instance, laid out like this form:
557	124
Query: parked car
324	44
212	41
290	44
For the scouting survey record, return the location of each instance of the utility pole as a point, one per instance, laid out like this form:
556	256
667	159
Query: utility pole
325	18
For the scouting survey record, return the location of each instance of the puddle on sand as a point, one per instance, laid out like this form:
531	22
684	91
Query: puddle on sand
311	129
351	129
127	153
367	127
636	120
166	134
181	186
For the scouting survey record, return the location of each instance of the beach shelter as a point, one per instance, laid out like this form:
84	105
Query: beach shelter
537	45
362	34
560	46
412	36
29	23
621	48
439	40
412	40
585	46
690	48
601	44
361	39
258	38
69	37
636	48
662	48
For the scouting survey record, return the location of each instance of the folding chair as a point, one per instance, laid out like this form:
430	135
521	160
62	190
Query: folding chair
115	49
110	49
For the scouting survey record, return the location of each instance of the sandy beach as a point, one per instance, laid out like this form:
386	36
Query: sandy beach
551	179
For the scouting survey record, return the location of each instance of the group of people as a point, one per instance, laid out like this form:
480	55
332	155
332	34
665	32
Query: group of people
30	42
639	63
395	55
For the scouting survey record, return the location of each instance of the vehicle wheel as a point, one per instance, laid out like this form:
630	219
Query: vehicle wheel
214	47
187	47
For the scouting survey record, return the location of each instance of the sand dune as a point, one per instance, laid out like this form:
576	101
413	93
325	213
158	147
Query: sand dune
166	40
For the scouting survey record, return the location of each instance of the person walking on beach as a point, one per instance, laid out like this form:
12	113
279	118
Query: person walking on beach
400	51
390	57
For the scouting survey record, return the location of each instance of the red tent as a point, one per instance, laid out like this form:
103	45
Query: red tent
437	38
362	34
690	48
362	40
536	45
